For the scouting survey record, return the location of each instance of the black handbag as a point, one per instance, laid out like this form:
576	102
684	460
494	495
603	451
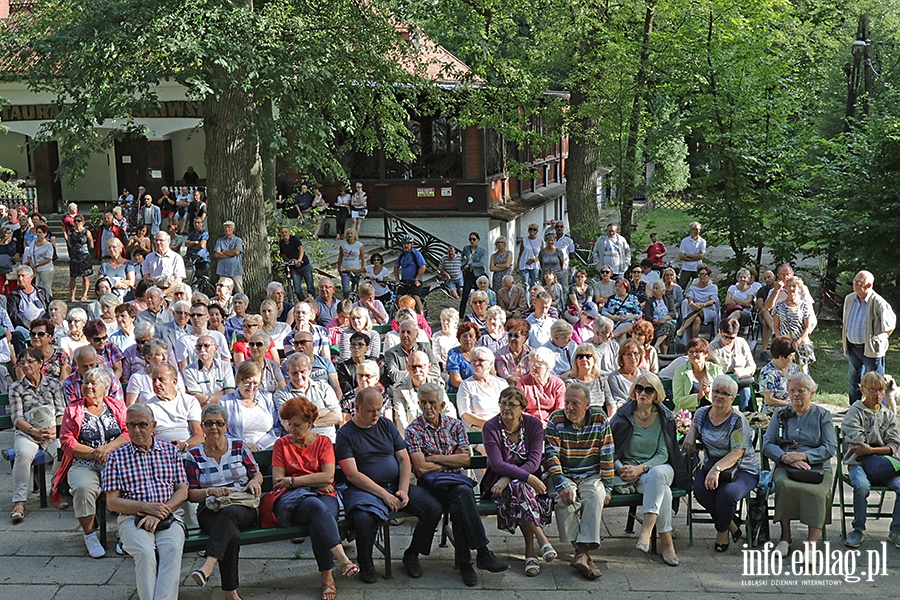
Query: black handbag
816	473
161	526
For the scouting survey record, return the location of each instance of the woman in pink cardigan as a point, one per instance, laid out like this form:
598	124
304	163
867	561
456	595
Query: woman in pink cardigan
544	391
92	427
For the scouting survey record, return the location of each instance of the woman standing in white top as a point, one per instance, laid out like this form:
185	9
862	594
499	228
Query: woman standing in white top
359	207
529	263
342	203
351	258
39	256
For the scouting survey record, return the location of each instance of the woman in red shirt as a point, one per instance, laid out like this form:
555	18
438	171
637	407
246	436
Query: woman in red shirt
544	391
303	463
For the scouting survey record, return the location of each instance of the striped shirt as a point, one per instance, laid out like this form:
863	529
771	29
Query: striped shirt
571	453
856	321
233	470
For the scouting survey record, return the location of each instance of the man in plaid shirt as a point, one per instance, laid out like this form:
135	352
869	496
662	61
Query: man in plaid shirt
439	451
579	461
86	359
145	483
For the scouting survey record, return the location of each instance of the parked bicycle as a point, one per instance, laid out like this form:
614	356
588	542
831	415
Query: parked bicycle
285	269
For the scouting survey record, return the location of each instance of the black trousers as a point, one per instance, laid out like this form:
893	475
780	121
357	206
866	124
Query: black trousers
224	531
468	528
422	505
468	285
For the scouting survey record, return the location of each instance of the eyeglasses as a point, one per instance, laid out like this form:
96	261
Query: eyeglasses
256	344
478	301
301	342
37	362
480	361
183	312
248	325
632	354
250	384
39	334
644	389
356	345
100	338
530	229
141	425
510	405
140	342
583	356
514	336
873	390
74	321
219	424
723	393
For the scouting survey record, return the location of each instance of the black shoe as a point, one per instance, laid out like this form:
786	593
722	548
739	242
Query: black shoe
469	577
367	573
736	534
411	562
488	561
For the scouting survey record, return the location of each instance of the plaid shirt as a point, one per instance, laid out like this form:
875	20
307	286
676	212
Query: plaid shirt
111	355
234	470
72	386
23	396
446	439
145	476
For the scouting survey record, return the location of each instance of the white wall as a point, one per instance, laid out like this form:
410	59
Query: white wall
12	153
98	182
188	147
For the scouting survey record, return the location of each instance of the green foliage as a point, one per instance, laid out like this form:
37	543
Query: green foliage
94	219
666	149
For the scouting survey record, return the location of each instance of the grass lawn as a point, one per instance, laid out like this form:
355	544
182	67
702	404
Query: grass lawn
670	224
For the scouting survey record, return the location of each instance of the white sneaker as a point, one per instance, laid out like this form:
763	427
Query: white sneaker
94	547
783	547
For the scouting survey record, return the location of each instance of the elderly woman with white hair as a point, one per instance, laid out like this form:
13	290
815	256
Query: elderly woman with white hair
730	469
108	304
224	298
283	308
562	345
478	397
92	427
480	303
445	339
544	391
801	441
494	337
272	375
76	318
360	321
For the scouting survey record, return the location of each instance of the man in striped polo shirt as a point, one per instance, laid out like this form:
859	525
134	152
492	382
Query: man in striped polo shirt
578	460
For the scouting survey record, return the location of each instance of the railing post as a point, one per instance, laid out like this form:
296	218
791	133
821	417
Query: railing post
384	217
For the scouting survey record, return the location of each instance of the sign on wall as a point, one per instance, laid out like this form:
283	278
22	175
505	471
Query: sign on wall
43	112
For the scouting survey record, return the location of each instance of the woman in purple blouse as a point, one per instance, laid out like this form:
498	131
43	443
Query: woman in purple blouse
514	444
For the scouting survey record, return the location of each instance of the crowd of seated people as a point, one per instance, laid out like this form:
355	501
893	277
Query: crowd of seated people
569	392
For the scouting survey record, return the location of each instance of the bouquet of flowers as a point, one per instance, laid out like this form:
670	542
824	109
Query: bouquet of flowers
683	420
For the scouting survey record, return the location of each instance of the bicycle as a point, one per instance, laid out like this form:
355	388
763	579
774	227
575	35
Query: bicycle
827	287
285	268
201	283
353	294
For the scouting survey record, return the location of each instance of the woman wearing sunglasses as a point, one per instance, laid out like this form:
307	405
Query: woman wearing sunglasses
648	460
217	468
586	370
56	363
272	375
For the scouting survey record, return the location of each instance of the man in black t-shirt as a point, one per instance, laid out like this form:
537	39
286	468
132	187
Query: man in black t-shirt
375	460
291	249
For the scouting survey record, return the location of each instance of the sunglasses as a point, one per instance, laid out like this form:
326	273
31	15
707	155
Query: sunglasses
256	344
100	338
39	334
644	389
142	425
583	356
514	336
219	424
354	345
204	345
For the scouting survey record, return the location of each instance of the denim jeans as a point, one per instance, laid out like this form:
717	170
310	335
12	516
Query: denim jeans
860	483
857	365
529	279
299	275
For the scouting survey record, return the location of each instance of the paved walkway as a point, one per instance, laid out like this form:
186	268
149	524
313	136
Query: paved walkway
44	558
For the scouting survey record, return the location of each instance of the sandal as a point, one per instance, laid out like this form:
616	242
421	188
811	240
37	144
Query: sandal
583	568
548	553
18	512
595	570
349	569
329	592
532	566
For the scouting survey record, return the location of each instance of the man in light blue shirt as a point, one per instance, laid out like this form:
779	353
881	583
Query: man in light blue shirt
228	253
868	322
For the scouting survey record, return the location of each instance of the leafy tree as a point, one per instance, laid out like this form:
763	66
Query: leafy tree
276	78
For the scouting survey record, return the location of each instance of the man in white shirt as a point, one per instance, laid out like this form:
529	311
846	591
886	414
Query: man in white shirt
691	252
321	394
186	345
207	379
163	261
566	244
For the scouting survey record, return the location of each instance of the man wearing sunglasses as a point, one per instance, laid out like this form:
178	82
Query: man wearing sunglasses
146	484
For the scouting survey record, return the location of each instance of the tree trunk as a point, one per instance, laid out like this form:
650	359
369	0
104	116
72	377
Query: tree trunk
633	162
266	110
234	171
582	172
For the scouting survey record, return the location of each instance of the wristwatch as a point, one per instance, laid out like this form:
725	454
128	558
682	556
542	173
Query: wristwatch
718	469
646	468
